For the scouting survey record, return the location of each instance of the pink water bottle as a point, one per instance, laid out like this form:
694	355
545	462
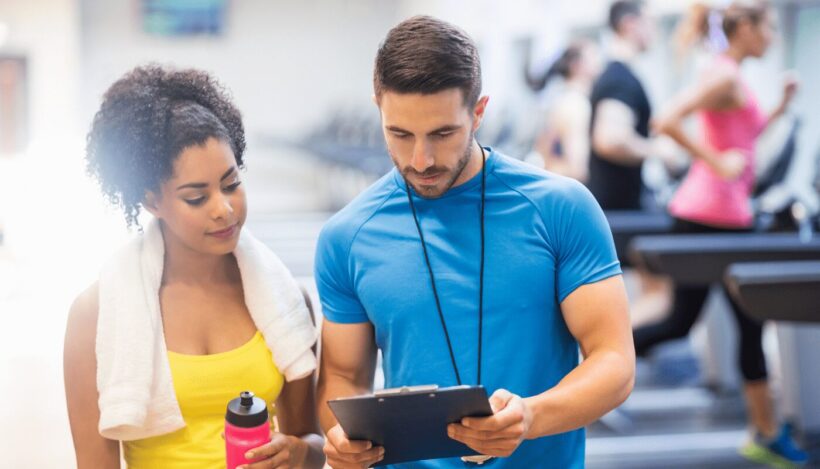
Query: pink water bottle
246	428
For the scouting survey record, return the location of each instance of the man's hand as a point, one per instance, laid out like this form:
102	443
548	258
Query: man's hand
499	434
343	453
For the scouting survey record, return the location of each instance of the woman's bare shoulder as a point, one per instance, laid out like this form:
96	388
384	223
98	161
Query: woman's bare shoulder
82	316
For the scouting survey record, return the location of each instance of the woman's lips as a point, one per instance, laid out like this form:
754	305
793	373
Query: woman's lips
224	234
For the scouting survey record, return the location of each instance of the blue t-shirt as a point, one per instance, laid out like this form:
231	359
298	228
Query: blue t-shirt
545	237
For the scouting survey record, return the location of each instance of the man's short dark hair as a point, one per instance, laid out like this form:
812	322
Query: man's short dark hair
621	9
426	55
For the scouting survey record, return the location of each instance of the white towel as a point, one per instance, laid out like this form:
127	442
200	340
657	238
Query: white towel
137	398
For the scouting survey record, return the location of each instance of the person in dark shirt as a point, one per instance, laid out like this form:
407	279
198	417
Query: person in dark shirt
620	140
620	114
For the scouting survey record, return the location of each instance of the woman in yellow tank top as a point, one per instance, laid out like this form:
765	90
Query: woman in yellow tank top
172	142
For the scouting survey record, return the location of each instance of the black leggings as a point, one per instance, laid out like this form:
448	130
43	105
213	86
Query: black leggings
686	308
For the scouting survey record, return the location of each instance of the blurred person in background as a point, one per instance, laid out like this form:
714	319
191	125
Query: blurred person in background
621	112
564	142
620	138
696	43
715	196
171	142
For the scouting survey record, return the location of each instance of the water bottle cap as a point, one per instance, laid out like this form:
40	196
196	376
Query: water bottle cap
246	399
247	411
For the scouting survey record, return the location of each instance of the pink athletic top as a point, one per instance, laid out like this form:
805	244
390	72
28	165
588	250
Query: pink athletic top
705	197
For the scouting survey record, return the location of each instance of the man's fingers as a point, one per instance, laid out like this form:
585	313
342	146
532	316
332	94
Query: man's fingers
508	416
490	448
500	399
337	437
354	447
343	453
339	460
512	432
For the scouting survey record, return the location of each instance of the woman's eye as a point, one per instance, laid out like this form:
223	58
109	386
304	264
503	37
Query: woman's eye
195	202
232	187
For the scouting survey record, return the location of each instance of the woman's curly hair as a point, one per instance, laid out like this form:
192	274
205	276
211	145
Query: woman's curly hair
146	119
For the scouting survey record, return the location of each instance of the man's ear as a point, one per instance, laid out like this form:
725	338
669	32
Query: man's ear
151	203
478	111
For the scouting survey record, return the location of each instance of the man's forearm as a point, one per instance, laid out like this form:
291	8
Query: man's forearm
629	149
599	384
334	387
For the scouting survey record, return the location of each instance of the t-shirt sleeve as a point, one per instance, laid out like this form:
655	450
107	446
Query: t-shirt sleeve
586	250
340	303
618	87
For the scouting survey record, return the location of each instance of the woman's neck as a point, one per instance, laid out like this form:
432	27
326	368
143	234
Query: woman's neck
736	53
185	265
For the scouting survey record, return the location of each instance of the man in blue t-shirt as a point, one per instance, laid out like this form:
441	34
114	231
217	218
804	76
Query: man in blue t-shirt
464	266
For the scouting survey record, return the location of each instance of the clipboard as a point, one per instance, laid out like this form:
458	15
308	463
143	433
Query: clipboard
411	422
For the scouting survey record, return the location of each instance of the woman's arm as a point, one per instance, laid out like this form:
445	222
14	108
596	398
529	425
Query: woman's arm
80	371
567	125
296	414
790	85
718	91
575	137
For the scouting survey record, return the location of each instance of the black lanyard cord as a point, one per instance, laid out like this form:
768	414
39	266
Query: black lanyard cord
480	275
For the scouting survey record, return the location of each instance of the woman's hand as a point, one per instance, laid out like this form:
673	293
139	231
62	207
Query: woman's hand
790	87
283	452
729	165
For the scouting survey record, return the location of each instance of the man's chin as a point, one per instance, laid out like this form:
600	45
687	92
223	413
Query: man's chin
429	191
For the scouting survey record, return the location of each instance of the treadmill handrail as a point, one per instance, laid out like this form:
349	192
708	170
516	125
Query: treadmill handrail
722	242
772	273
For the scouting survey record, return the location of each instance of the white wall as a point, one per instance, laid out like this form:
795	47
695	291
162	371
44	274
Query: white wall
37	211
286	62
806	39
47	33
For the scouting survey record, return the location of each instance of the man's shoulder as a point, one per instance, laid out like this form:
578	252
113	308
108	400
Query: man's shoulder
617	69
616	76
543	188
344	224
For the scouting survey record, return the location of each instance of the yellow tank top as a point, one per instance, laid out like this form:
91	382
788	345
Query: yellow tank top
204	384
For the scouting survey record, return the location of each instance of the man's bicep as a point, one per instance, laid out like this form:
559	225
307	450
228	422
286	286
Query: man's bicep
334	277
613	120
349	351
597	315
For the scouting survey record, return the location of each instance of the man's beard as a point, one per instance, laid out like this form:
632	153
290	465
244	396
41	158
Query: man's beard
433	192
